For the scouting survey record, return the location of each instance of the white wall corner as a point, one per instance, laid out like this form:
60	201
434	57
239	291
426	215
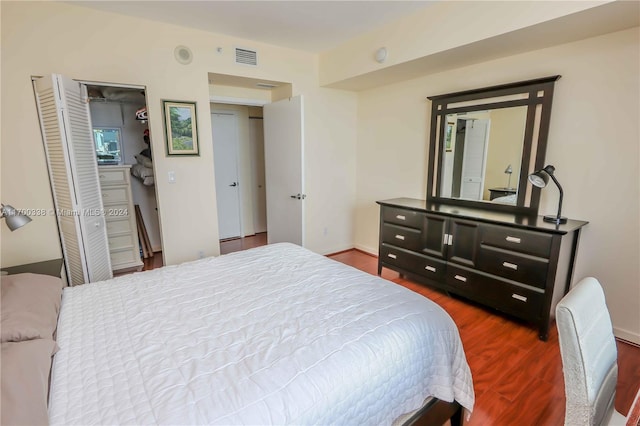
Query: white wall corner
367	249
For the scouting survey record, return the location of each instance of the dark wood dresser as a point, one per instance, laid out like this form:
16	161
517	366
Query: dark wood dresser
516	264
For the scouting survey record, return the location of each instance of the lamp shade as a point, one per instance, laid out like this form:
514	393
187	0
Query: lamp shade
509	169
13	218
539	179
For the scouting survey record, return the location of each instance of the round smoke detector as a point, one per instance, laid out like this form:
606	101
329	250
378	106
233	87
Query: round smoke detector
183	55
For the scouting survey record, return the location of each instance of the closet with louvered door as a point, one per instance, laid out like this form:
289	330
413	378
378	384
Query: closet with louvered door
73	172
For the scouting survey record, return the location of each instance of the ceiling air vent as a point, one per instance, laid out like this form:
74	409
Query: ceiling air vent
246	57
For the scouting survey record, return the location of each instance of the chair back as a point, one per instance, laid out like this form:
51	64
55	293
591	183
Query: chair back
589	354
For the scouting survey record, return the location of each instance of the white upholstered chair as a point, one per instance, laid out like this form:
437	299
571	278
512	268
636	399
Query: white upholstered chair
589	356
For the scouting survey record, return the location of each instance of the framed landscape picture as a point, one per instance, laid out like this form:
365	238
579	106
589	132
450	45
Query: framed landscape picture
181	127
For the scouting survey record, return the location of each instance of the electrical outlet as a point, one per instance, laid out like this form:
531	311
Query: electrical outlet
172	177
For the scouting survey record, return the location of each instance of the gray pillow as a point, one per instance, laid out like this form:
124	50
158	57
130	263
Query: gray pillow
30	305
25	381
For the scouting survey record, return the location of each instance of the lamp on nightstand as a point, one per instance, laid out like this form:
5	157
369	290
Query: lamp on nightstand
13	218
508	171
540	179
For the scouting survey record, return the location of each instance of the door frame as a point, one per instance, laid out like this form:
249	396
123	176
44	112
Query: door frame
254	177
240	184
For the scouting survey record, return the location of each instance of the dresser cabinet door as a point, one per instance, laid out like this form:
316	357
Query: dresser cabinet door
434	229
464	242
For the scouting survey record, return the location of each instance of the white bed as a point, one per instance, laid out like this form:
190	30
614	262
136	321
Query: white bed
273	335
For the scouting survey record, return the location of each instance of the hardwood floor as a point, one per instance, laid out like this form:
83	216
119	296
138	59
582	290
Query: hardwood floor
237	244
517	378
153	262
226	246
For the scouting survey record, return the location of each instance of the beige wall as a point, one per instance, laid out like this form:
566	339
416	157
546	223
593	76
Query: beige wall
593	143
40	38
217	91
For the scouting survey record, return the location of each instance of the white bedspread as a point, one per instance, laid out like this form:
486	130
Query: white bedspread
273	335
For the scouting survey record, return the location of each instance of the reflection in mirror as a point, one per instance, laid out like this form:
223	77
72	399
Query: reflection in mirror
483	153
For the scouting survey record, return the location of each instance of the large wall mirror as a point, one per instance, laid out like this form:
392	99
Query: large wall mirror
485	142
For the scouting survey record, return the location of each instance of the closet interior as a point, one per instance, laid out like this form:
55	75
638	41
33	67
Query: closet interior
125	168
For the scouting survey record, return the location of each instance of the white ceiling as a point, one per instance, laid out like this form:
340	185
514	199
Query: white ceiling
311	26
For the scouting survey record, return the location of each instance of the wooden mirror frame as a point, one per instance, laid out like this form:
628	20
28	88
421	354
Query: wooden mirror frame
536	95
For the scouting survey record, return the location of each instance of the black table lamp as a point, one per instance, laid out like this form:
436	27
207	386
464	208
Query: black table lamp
540	179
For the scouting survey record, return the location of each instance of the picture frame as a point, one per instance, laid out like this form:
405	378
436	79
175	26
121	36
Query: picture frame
180	125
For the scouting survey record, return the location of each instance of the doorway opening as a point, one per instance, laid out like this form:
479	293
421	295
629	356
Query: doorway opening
238	147
123	148
260	177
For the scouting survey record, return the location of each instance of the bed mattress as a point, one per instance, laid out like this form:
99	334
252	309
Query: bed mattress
273	335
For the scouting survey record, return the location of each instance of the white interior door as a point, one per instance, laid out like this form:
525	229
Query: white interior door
256	145
68	137
224	128
284	172
473	163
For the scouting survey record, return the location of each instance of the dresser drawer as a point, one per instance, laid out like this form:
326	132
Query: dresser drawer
401	236
513	266
107	176
119	226
115	195
402	217
519	240
520	301
120	258
418	264
119	242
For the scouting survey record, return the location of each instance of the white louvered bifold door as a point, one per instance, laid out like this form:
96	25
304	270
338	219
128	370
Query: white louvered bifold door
68	139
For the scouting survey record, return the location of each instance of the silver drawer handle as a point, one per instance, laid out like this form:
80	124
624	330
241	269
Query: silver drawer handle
518	297
510	265
513	240
430	268
401	217
393	256
461	278
400	237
